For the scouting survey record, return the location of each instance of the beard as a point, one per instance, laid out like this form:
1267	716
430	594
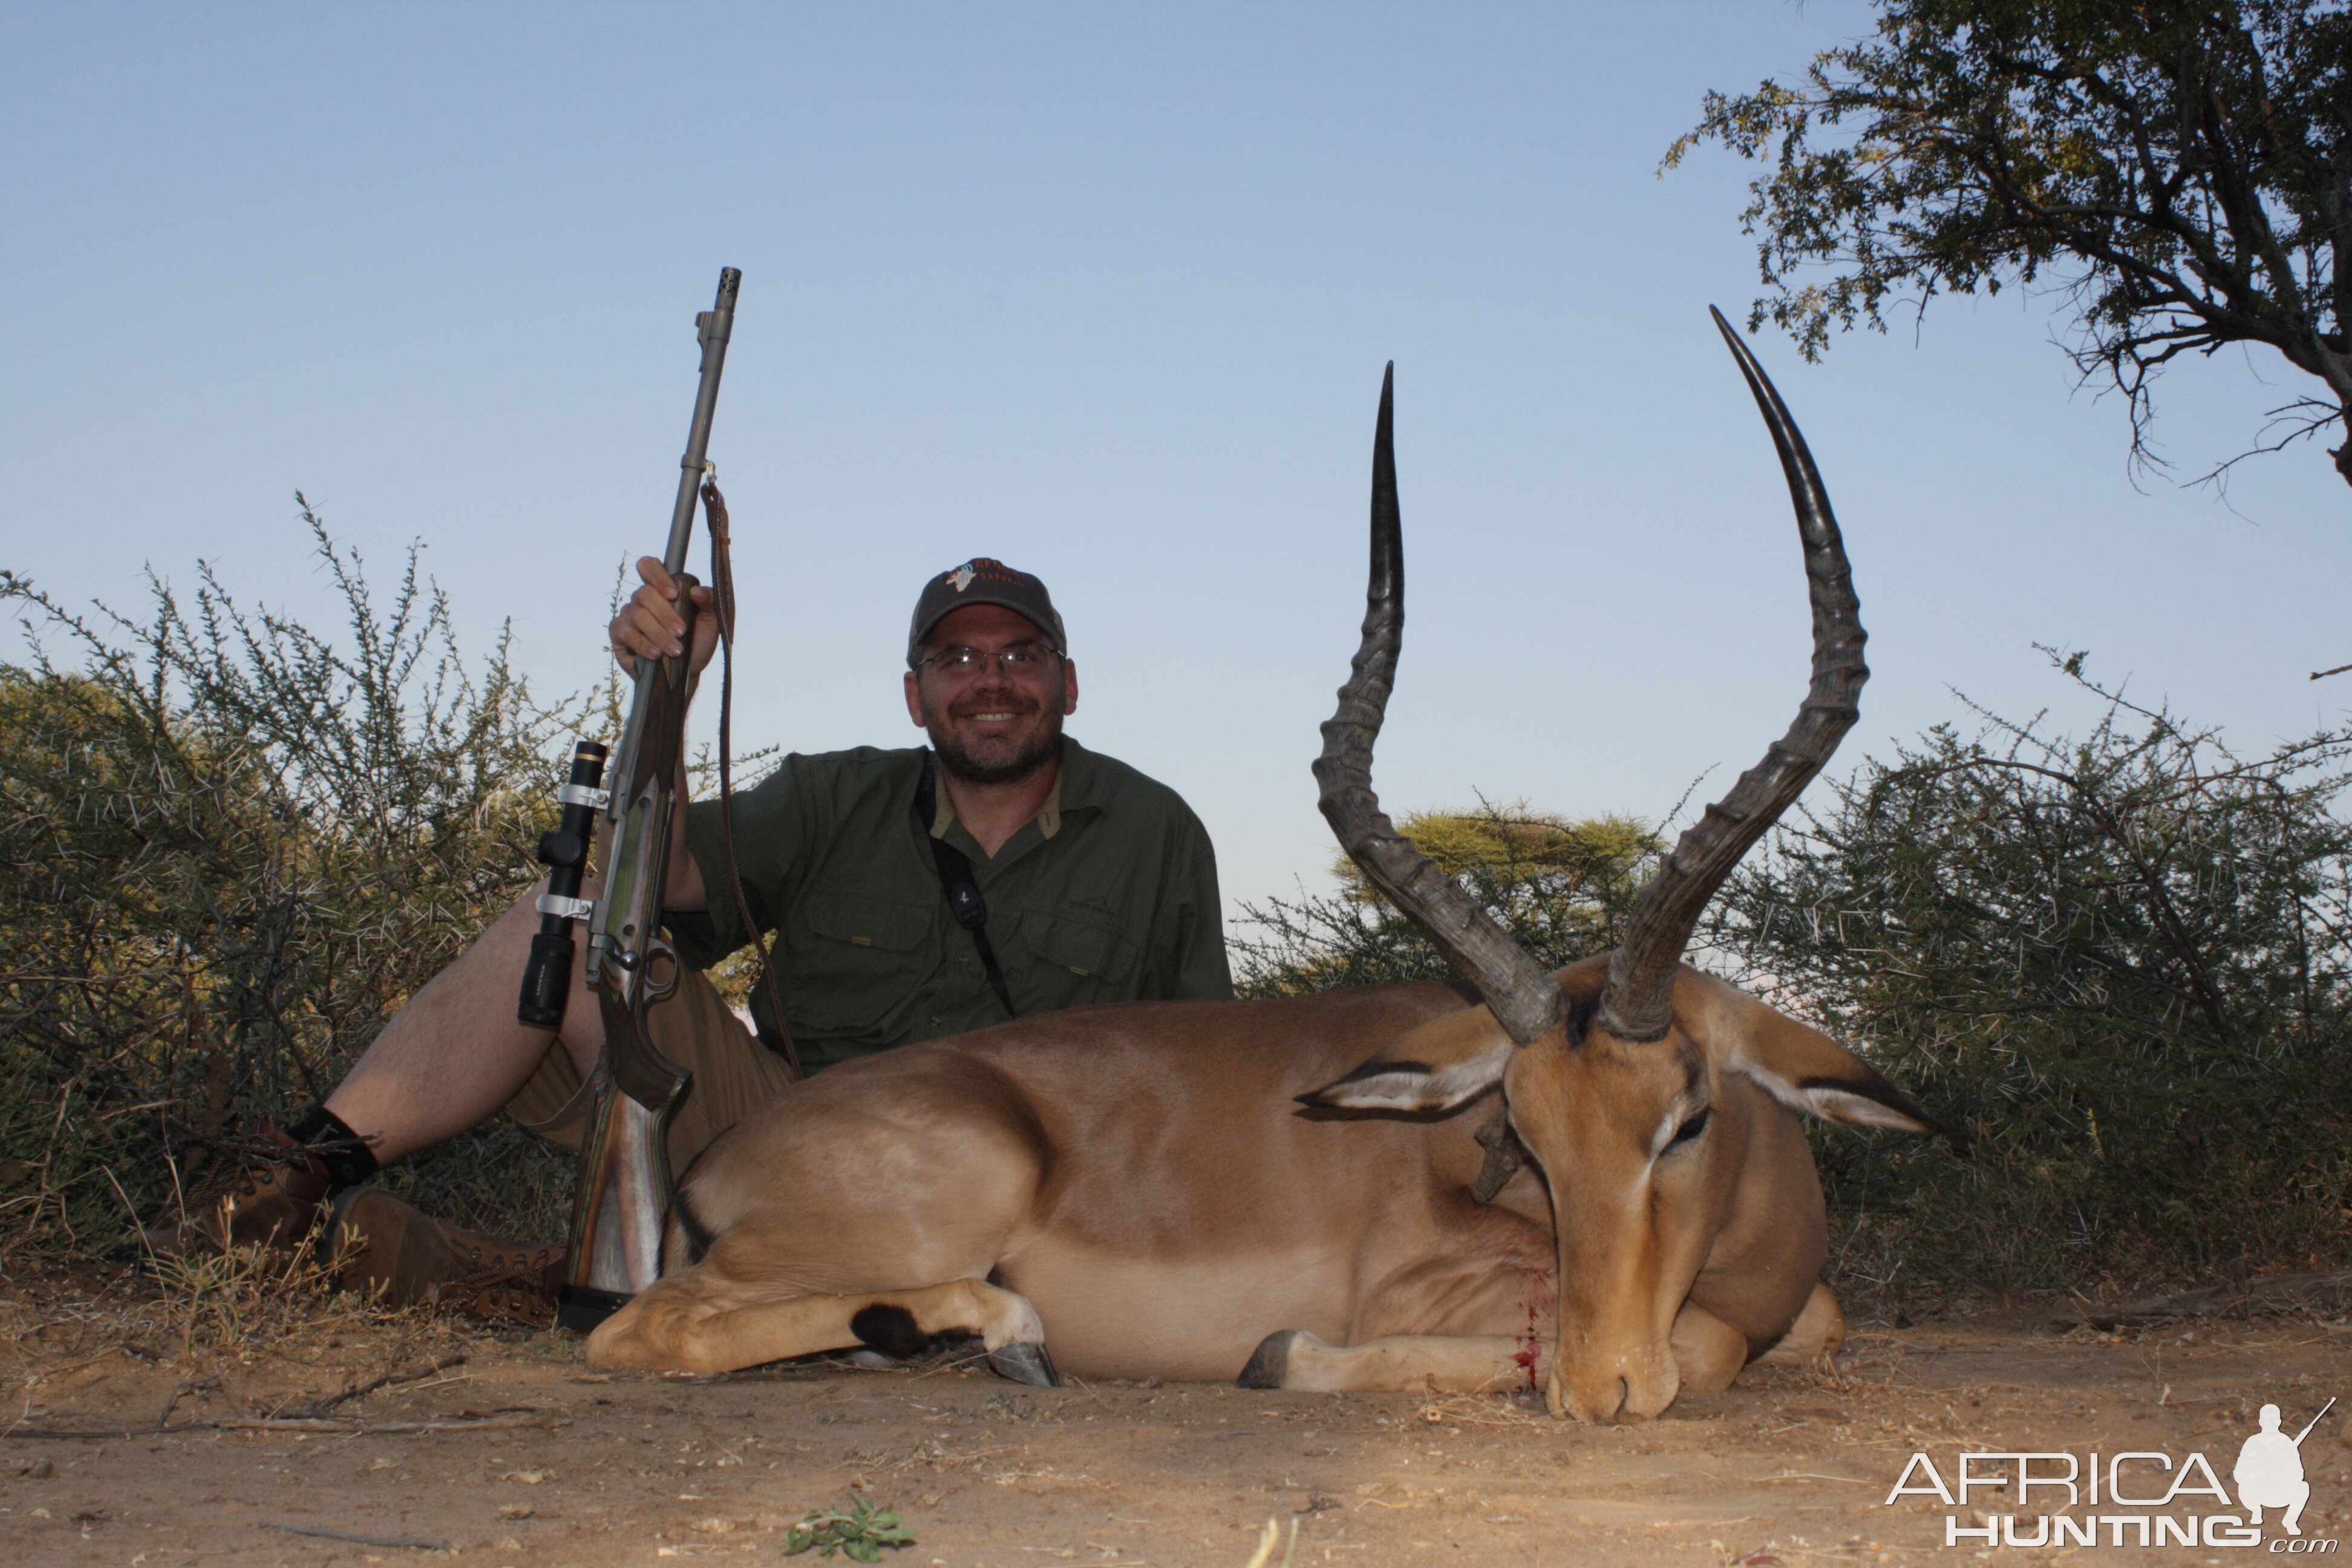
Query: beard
998	760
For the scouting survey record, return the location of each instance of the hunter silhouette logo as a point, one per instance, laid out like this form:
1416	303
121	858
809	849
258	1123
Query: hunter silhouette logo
2270	1470
2160	1490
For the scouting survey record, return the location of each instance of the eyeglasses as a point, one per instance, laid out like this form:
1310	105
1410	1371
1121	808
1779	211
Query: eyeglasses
1022	659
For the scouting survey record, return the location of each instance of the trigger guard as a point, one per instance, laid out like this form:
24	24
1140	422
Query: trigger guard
657	957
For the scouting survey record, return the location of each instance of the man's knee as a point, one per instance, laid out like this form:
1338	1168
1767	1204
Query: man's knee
514	929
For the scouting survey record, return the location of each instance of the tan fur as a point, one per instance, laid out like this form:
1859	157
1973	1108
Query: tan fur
1423	1363
1816	1337
1454	1040
1708	1351
673	1328
1708	1355
1141	1183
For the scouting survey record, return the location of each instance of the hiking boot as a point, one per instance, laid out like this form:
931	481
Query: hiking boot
263	1190
390	1251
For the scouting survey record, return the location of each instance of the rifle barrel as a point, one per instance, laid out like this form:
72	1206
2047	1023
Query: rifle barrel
716	325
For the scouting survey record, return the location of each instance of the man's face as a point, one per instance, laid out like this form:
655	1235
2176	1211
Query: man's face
992	725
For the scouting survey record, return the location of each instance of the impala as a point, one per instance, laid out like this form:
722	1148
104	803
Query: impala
1211	1190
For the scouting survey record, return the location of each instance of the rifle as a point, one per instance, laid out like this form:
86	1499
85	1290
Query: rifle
623	1190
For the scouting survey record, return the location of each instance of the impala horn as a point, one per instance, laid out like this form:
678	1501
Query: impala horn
1637	1002
1524	999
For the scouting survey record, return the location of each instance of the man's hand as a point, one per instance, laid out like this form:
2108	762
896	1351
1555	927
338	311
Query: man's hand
647	628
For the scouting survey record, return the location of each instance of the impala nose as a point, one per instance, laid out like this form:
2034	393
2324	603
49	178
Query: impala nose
1632	1388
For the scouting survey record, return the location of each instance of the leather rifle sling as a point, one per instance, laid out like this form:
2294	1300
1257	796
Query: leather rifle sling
722	599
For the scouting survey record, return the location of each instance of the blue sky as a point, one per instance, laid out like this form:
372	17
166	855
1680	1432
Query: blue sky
1103	290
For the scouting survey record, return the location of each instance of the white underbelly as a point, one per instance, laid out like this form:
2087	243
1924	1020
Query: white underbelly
1193	1320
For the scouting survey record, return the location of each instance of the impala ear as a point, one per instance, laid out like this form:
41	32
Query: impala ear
1445	1063
1812	1074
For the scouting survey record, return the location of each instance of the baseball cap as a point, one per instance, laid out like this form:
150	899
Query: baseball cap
983	580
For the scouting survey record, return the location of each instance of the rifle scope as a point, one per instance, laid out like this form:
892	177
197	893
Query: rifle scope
565	852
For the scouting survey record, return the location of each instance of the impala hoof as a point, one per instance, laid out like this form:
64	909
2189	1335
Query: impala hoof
1270	1362
1026	1363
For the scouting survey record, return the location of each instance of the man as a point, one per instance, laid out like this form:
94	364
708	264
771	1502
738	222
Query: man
1101	886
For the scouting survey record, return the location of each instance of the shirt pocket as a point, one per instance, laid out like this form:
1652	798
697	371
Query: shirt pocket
1074	949
865	956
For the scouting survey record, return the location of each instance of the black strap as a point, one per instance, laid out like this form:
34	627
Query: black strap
962	888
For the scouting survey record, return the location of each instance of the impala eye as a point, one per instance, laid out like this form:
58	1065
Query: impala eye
1692	1128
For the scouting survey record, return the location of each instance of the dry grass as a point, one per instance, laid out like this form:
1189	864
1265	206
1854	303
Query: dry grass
248	1311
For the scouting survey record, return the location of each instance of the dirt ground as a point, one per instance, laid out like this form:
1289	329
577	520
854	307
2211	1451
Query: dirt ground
528	1459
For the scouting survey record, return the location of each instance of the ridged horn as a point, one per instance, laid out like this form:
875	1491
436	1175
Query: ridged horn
1637	1002
1524	999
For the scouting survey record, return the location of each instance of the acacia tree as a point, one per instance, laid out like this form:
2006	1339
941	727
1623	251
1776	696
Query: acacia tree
1563	890
2182	172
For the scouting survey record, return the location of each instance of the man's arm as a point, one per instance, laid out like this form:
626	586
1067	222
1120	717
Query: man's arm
1203	974
648	627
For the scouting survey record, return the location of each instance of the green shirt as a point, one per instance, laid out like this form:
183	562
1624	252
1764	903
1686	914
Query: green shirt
1108	895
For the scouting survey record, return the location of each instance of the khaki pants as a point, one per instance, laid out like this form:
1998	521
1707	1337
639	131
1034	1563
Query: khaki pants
733	1075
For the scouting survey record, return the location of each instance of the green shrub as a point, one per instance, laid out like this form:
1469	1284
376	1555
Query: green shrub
229	848
2120	962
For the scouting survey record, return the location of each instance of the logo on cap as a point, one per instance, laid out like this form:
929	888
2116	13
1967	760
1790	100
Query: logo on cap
961	577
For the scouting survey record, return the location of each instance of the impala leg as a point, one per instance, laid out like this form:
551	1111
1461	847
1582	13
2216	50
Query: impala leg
1708	1351
1409	1363
1817	1335
692	1321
